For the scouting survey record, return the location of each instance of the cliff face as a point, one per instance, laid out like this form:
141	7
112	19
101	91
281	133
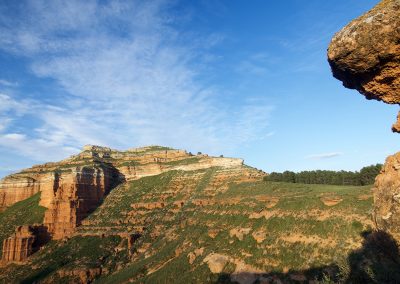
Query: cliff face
13	190
73	195
19	246
25	241
73	188
365	55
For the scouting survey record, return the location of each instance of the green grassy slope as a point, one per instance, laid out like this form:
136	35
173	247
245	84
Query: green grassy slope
259	227
300	233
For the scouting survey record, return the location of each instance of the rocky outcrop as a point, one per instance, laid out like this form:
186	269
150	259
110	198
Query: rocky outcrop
14	189
74	195
365	55
387	197
19	246
25	241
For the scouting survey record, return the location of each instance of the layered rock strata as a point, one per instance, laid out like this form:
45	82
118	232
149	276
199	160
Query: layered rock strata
74	195
365	55
73	188
25	241
14	189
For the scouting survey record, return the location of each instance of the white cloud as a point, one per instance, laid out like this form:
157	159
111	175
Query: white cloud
14	137
38	149
7	104
4	123
7	83
129	80
324	156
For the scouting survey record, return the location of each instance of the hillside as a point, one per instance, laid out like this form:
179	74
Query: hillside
183	219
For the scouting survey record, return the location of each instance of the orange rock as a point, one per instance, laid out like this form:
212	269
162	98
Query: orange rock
365	55
16	188
25	241
74	195
387	197
19	246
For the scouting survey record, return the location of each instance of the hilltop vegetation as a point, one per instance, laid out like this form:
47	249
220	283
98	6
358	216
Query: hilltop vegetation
366	176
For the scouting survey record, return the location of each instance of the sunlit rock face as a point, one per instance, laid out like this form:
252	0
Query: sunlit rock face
365	55
387	197
14	189
73	195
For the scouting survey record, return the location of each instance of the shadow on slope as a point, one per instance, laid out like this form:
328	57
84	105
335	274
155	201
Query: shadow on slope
377	261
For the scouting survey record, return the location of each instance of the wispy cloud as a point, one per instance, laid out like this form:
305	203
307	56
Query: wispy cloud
128	80
324	156
7	83
258	64
38	149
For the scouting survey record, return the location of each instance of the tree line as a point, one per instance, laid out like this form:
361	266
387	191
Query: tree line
365	176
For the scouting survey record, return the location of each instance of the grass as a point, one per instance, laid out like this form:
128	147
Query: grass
25	212
161	253
188	161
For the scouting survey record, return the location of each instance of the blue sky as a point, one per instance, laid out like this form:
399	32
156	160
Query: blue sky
246	79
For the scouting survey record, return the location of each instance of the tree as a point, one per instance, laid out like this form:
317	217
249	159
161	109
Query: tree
366	176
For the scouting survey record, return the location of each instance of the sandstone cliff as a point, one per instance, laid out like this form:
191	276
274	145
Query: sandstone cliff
70	196
19	246
25	241
14	189
365	55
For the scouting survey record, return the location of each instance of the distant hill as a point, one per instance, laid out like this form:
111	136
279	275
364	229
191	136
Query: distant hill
159	215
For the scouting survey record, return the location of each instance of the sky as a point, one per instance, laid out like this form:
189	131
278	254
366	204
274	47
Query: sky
246	79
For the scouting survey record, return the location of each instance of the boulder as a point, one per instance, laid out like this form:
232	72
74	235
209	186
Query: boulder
365	55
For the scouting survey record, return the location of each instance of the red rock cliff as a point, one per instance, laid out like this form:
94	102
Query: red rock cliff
19	246
14	189
73	195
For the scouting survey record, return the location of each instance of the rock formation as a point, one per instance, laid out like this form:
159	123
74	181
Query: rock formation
14	189
73	188
19	246
25	241
74	195
365	55
387	197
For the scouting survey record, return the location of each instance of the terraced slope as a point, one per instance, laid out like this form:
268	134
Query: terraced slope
207	226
